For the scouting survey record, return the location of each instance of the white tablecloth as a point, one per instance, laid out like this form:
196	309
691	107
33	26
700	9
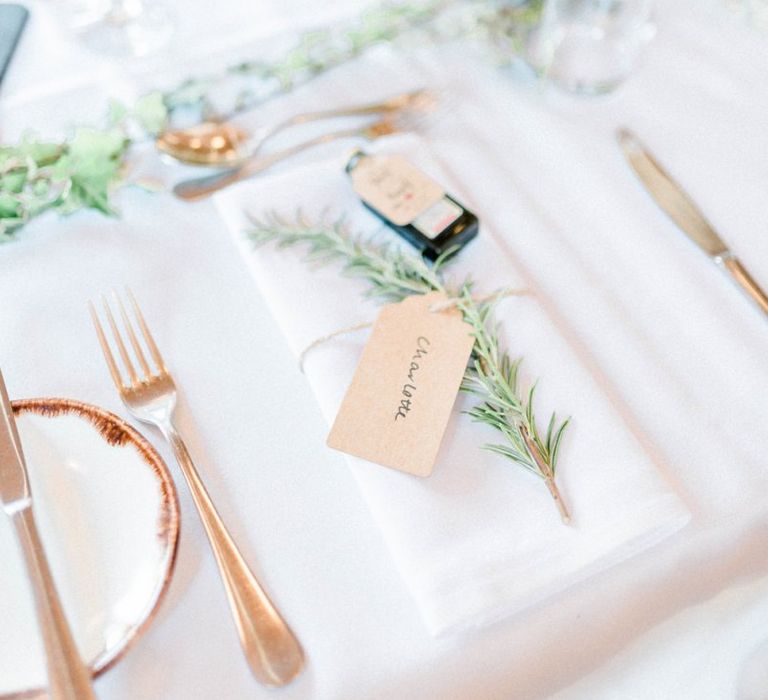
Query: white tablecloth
695	624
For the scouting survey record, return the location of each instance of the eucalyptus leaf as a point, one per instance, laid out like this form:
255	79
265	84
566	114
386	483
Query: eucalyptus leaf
39	175
9	205
116	113
91	163
151	113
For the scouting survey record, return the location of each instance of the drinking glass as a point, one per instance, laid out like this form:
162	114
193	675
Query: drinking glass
124	27
754	12
591	46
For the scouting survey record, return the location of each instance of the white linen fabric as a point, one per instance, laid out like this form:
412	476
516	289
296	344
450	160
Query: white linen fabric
478	538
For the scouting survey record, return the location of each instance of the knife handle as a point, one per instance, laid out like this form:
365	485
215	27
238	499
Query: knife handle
68	677
740	275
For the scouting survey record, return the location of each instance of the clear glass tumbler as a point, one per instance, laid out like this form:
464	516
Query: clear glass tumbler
122	27
591	46
754	12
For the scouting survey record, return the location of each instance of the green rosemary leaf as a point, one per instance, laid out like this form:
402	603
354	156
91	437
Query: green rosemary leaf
444	258
513	455
556	444
550	431
529	412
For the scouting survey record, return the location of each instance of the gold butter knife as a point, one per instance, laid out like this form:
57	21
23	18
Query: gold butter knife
681	209
68	677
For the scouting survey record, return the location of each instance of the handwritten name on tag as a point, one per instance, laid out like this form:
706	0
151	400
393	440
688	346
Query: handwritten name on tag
399	402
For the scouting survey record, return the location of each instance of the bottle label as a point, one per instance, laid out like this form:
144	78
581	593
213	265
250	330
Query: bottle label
437	218
395	188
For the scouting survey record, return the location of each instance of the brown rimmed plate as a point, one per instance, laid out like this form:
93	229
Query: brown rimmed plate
108	516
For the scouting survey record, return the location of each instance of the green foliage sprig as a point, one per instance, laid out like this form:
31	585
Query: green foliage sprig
81	172
314	53
78	174
501	23
491	376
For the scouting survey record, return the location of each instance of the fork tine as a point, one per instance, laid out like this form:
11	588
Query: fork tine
110	359
132	336
119	342
145	332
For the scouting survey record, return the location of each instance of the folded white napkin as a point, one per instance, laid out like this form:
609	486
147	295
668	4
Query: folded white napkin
480	538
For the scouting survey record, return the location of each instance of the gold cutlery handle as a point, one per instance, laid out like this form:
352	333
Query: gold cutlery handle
68	676
389	105
271	649
201	187
740	275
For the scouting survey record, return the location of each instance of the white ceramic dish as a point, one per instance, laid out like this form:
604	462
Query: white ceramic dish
109	520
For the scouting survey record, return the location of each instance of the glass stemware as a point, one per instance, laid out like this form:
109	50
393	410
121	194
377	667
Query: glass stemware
124	27
591	46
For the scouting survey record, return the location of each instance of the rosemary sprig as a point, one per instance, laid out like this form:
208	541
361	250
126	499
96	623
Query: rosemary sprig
491	375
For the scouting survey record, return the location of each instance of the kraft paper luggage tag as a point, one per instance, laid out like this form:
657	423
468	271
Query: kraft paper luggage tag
397	407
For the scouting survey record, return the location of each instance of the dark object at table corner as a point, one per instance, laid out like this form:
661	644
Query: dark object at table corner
13	19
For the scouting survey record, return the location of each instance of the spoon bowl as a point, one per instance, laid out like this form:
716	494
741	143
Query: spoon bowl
209	143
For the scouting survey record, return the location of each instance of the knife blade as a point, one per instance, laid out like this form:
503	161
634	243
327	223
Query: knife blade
14	485
683	211
68	677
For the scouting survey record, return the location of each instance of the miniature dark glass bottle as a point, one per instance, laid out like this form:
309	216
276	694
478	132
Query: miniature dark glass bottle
411	203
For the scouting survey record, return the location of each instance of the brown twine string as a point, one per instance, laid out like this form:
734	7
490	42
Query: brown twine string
437	307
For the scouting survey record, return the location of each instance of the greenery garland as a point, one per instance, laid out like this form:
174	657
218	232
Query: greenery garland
82	171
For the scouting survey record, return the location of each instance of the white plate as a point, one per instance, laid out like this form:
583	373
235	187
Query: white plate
109	520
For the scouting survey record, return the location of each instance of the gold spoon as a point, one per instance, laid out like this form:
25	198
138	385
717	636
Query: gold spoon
222	144
201	187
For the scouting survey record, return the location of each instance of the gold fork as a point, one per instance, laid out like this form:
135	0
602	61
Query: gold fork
270	647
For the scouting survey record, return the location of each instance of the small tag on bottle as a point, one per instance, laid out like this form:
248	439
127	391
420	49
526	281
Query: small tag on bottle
437	218
395	188
399	402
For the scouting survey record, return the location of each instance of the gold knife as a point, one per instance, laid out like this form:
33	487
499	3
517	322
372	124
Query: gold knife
681	209
68	677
